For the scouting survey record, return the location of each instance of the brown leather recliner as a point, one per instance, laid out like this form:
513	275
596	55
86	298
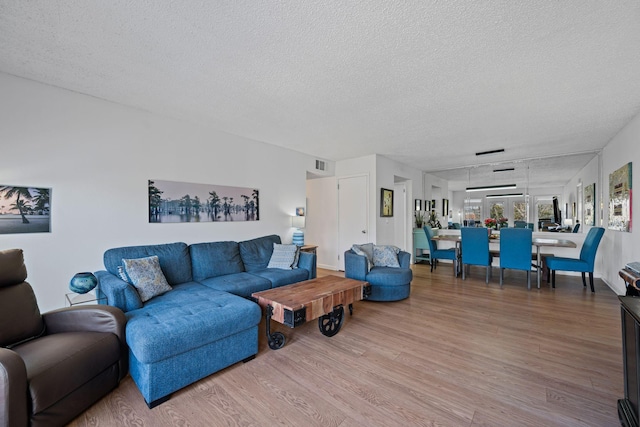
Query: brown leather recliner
56	365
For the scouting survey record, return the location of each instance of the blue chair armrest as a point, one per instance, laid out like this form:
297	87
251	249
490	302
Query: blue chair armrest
308	261
355	266
404	259
118	292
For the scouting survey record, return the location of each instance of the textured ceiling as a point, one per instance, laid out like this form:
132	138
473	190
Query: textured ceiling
425	83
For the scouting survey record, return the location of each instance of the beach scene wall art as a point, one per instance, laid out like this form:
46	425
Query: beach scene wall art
24	209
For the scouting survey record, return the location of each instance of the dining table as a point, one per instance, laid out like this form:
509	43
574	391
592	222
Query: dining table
538	242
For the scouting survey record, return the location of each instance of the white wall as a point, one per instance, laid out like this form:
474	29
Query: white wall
618	247
322	193
97	157
322	220
388	172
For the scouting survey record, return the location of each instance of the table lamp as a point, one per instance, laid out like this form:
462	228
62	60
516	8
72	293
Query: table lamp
297	222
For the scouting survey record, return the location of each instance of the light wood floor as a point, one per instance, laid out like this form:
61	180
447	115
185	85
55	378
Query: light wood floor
456	353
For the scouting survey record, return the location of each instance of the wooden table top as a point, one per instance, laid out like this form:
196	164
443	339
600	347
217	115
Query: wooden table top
319	296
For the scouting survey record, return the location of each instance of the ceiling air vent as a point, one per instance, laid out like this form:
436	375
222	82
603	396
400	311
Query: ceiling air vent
320	165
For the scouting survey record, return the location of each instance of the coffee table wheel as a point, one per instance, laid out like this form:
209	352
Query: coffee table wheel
276	340
331	323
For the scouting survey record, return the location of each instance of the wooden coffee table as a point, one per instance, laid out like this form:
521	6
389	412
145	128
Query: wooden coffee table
323	298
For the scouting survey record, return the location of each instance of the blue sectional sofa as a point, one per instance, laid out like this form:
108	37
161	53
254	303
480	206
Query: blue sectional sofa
205	322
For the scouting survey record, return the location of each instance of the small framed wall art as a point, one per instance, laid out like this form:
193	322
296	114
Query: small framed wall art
386	202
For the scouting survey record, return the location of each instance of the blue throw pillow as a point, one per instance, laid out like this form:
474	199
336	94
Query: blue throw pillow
385	256
146	276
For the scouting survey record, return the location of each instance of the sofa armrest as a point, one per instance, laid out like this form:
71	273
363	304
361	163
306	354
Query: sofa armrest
91	318
13	390
118	292
404	259
355	266
308	262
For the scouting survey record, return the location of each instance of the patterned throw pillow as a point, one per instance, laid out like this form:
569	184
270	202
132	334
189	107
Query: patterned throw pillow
365	250
146	276
385	256
122	274
283	256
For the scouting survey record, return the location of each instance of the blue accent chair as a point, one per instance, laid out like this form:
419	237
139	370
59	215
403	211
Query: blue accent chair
520	224
435	254
584	264
576	228
475	249
515	251
387	283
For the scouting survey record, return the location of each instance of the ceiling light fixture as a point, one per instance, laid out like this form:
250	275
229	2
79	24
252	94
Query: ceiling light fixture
491	187
500	196
484	153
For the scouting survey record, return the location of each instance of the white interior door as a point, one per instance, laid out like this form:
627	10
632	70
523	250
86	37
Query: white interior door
353	218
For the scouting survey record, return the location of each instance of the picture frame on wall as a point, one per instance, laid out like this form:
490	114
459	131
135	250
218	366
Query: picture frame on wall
445	207
620	201
417	205
386	202
427	205
589	204
25	209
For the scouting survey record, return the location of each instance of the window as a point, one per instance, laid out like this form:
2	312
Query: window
496	210
519	211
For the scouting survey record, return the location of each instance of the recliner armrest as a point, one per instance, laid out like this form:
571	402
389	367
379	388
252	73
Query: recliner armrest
13	390
96	318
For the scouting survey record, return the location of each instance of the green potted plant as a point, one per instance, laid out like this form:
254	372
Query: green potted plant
419	219
433	220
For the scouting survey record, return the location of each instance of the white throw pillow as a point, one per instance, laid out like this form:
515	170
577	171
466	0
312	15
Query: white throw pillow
283	256
365	250
146	276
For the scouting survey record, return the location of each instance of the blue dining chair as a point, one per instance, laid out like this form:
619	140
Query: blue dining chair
584	264
475	249
576	228
435	254
515	251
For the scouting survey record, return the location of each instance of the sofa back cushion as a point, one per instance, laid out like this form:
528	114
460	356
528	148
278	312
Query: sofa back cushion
256	253
174	258
19	314
215	259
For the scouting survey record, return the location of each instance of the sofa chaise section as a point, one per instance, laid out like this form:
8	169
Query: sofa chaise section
182	335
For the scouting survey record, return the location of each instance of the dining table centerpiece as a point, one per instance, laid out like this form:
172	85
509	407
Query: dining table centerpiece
491	223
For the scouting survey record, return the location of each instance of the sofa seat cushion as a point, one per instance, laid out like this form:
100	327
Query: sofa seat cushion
188	317
389	276
279	277
241	284
57	364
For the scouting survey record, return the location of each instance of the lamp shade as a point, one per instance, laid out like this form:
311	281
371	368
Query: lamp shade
297	221
82	283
